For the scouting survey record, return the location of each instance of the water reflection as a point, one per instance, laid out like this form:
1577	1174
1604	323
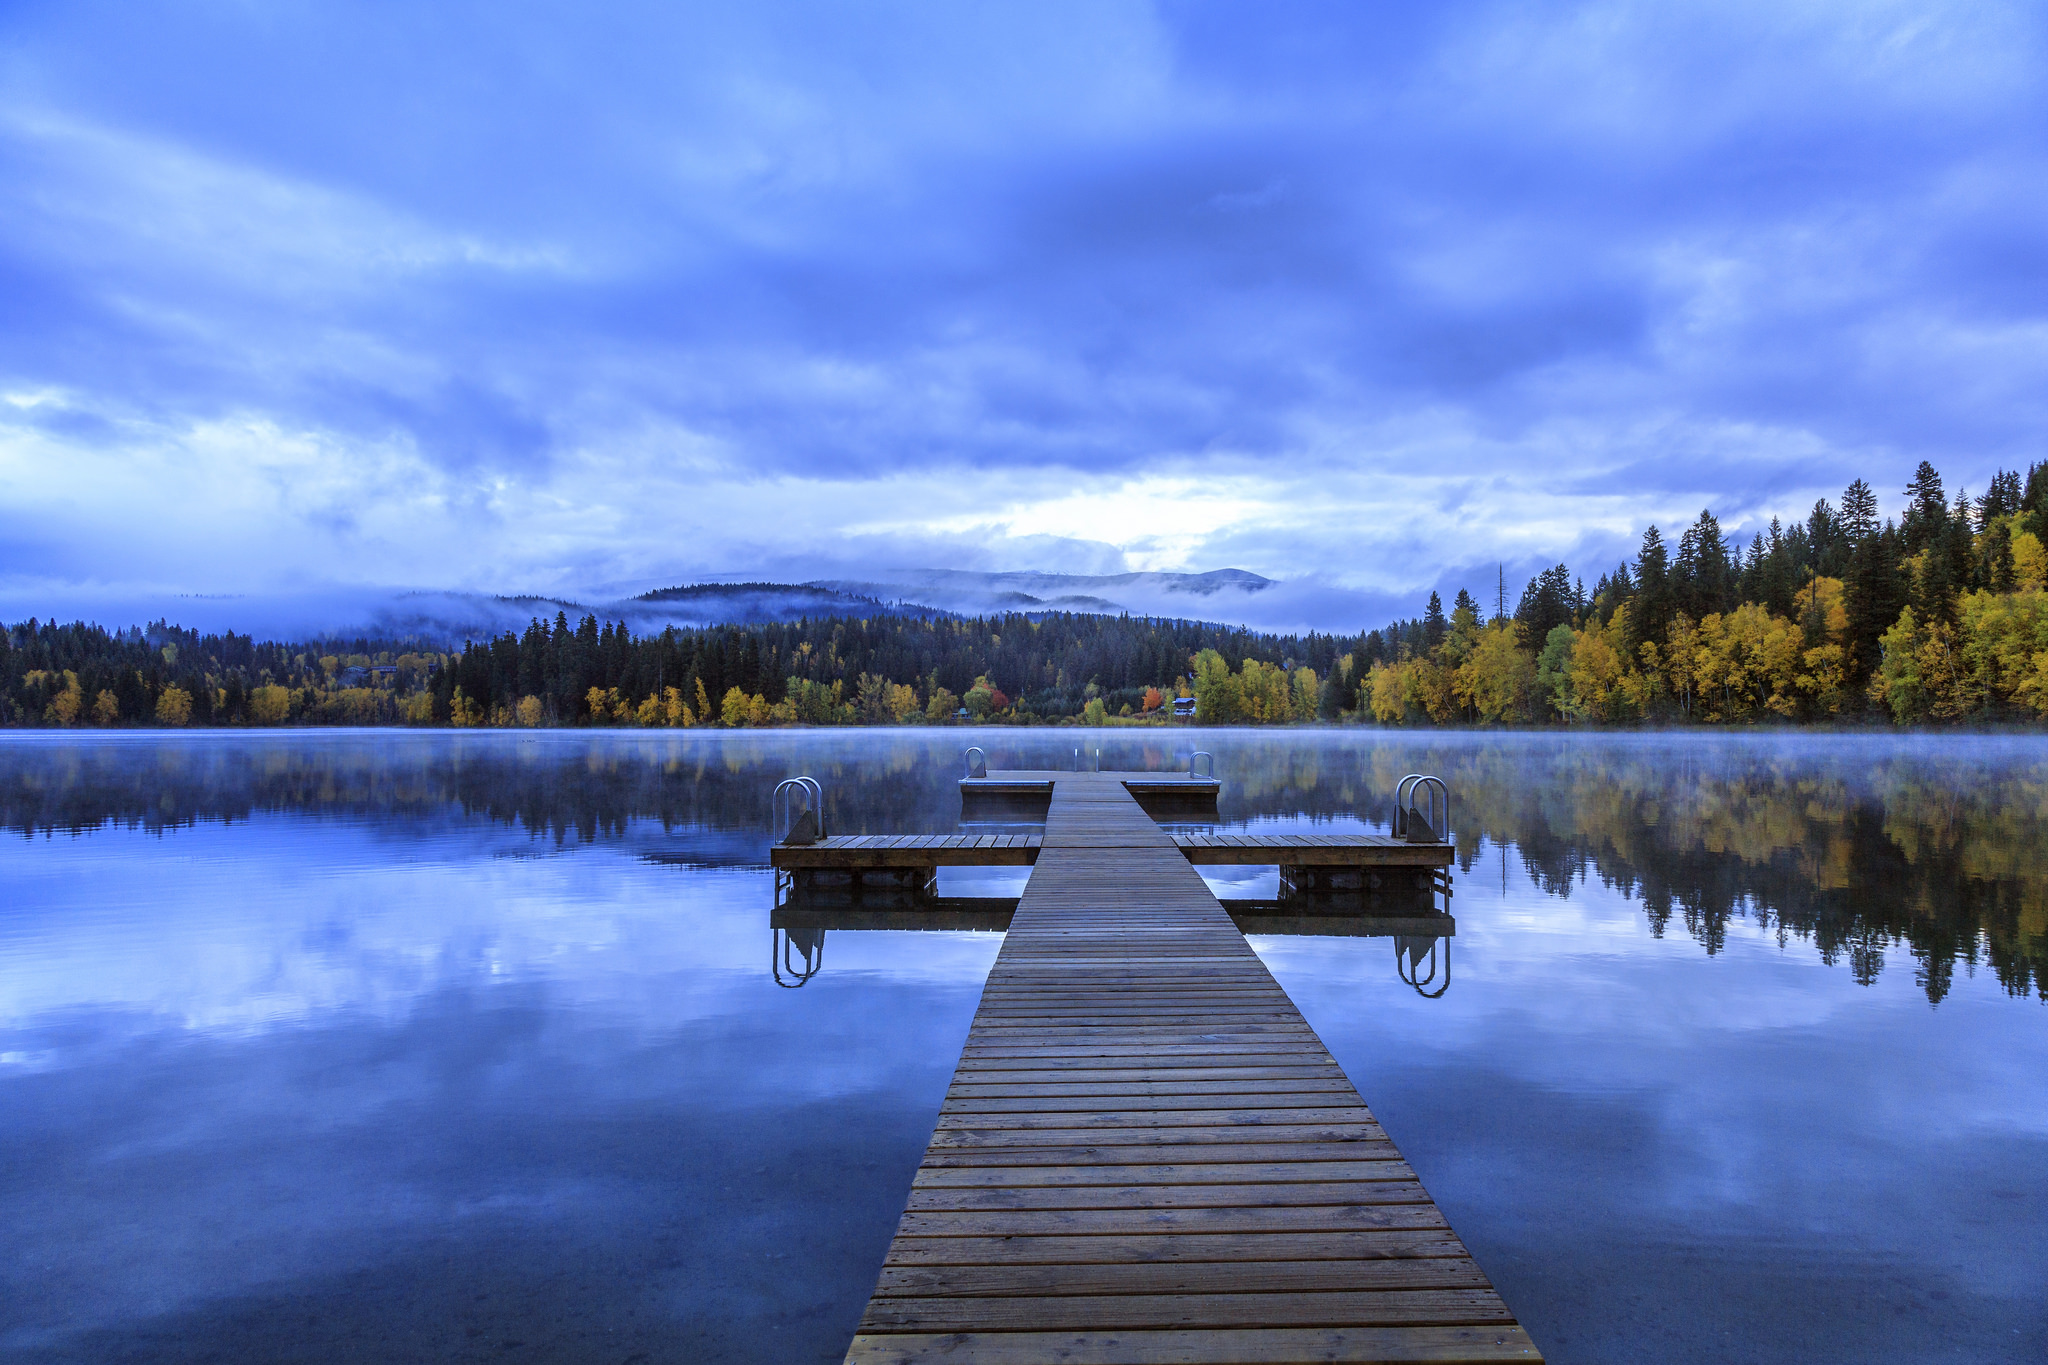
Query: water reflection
800	920
1860	846
332	1046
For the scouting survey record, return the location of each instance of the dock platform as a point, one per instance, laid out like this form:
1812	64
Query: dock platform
849	851
1147	1155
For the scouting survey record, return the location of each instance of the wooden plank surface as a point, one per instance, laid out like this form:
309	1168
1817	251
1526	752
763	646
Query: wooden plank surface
1021	850
1146	1153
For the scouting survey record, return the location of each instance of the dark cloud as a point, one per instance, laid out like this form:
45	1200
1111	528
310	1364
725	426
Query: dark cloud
661	256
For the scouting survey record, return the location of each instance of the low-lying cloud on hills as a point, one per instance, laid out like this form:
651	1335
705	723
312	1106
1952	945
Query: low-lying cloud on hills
1229	596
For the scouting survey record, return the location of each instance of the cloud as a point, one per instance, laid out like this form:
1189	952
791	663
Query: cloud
511	298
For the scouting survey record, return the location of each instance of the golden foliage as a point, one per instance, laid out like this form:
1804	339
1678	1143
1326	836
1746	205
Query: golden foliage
65	707
174	706
270	704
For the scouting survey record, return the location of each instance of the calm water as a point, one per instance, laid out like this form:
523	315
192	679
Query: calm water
322	1047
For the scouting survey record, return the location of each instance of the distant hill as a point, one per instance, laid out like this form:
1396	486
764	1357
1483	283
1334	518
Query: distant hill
1216	595
440	618
448	616
755	603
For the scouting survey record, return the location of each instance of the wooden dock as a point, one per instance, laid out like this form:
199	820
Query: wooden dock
1022	850
1147	1155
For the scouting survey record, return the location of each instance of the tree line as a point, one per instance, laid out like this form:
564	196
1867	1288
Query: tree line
1938	614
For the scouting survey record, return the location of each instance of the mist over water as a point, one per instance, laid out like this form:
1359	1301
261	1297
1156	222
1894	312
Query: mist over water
334	1046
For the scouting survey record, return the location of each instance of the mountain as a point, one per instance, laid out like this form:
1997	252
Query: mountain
439	618
448	616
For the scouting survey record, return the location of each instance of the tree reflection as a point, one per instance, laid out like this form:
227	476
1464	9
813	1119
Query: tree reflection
1863	846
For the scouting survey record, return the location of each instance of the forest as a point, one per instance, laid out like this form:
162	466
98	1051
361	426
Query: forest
1939	615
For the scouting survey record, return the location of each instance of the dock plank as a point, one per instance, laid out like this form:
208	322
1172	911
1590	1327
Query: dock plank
1268	1346
1147	1154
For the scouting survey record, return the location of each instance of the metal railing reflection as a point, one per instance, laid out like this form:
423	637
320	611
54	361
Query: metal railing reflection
1420	928
809	947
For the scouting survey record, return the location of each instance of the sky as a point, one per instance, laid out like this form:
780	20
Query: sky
309	301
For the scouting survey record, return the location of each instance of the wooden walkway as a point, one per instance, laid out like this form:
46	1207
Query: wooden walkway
853	851
1147	1155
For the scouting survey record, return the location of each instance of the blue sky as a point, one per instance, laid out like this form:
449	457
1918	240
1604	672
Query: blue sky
308	299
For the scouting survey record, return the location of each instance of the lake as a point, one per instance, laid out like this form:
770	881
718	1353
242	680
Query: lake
347	1045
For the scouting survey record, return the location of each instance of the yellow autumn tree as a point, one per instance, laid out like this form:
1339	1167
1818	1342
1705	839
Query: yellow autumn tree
1824	632
1429	690
66	706
174	706
2029	563
1307	693
1219	694
465	711
1745	662
1497	675
1596	669
270	704
1264	693
2004	644
1385	692
1920	673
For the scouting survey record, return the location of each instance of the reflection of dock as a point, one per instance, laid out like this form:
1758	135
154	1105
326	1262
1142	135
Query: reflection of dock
1357	862
1346	918
1146	1153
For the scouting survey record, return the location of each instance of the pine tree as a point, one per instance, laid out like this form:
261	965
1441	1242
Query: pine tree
2001	499
1872	597
1703	579
1996	567
1959	547
1926	511
1827	545
1433	623
2035	498
1546	603
1858	521
1654	604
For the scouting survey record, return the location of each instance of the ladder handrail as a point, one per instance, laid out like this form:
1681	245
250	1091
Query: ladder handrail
1438	813
779	804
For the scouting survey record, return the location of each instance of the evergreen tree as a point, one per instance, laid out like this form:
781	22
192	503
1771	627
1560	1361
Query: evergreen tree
2035	498
1782	572
1959	547
1433	623
1654	602
1610	593
1995	567
1546	603
1703	578
1872	597
1858	521
1814	543
1926	511
2001	499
